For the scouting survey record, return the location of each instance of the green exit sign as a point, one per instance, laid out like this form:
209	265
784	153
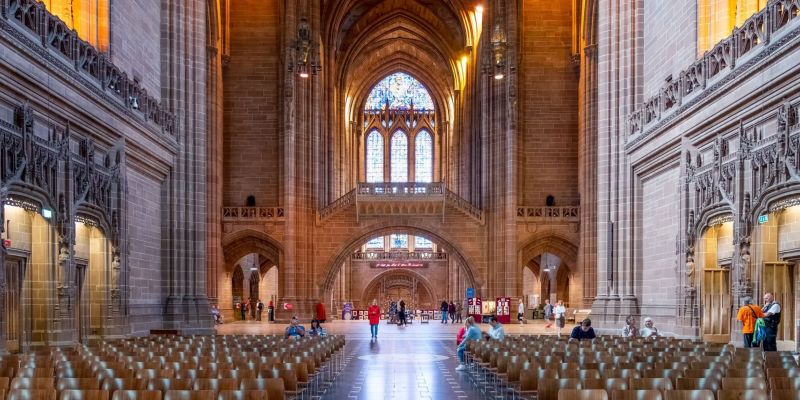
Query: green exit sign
762	219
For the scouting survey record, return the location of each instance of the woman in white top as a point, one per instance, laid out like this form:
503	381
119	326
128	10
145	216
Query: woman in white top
521	312
560	313
648	330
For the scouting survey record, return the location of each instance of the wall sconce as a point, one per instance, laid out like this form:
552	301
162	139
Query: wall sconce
499	49
306	54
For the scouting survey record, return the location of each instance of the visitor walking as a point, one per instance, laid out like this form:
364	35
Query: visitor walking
473	333
402	313
748	315
260	308
459	312
560	313
243	310
451	309
521	312
443	308
548	310
374	314
772	318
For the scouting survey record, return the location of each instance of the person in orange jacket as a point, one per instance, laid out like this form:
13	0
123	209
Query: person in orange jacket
374	314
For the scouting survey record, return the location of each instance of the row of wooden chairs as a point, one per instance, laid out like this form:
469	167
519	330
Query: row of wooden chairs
722	394
274	391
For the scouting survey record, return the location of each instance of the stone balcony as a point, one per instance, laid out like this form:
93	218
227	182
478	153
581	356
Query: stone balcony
250	215
401	198
563	214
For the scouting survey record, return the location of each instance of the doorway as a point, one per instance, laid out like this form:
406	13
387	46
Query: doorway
80	313
778	278
716	305
15	274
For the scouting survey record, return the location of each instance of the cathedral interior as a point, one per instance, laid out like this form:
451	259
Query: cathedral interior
160	159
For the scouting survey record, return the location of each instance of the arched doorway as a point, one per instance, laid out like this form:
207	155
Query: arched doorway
251	259
552	257
715	259
442	264
92	269
396	285
237	286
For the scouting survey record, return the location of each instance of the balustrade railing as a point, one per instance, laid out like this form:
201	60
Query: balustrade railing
400	189
399	255
254	214
31	17
564	213
466	207
751	38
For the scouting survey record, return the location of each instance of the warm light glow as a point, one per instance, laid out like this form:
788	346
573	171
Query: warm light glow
499	76
479	9
304	74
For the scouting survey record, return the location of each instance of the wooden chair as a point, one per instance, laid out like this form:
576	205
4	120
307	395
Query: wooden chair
32	394
785	394
745	394
35	373
164	384
745	373
651	384
123	384
84	394
784	383
275	390
783	373
582	394
580	374
77	384
703	373
697	384
636	395
621	373
136	395
216	384
744	384
190	395
688	395
33	383
243	395
549	387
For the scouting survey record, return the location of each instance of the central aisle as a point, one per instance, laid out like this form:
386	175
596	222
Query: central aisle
401	368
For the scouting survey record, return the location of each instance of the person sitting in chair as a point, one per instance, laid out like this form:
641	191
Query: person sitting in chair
294	330
583	331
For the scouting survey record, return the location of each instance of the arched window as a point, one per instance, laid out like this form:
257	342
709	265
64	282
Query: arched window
423	157
422	243
717	18
374	157
399	241
399	90
87	17
375	243
399	158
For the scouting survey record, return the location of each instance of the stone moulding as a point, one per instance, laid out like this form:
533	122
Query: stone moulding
59	47
753	39
549	214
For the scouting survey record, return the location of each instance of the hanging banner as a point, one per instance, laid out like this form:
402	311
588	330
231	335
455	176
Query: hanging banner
399	264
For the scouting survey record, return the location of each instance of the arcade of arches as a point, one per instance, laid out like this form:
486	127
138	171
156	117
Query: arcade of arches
160	157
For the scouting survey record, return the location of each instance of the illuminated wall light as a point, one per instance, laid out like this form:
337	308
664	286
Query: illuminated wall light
47	213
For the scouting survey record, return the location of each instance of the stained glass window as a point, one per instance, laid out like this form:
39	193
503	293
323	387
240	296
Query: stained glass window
399	241
423	157
399	90
399	157
374	157
375	243
422	243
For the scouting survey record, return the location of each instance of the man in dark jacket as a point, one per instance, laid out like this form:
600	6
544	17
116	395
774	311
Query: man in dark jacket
443	308
583	331
772	318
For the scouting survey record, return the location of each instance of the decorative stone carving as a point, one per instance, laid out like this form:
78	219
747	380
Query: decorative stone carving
690	267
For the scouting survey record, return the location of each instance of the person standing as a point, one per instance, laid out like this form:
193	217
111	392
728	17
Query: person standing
473	333
402	313
451	309
243	310
443	308
260	309
772	318
459	311
560	313
374	313
251	306
548	310
521	312
748	315
271	311
321	314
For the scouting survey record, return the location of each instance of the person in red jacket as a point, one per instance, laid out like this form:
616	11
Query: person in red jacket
321	315
374	313
460	336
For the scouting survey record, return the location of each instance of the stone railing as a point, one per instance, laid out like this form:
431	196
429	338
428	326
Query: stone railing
549	214
752	38
252	214
464	206
399	255
400	189
26	19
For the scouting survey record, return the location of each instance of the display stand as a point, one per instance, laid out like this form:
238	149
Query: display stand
503	305
474	308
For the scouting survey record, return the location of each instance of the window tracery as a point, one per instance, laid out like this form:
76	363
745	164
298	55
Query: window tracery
399	91
399	158
423	157
374	157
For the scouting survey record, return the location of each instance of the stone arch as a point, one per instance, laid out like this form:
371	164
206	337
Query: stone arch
371	287
555	244
341	254
247	241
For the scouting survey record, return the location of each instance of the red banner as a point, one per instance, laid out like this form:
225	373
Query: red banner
399	264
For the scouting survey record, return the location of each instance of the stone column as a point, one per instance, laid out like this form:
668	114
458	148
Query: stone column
214	126
184	79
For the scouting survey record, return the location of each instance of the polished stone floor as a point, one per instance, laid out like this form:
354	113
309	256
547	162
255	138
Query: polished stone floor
413	362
